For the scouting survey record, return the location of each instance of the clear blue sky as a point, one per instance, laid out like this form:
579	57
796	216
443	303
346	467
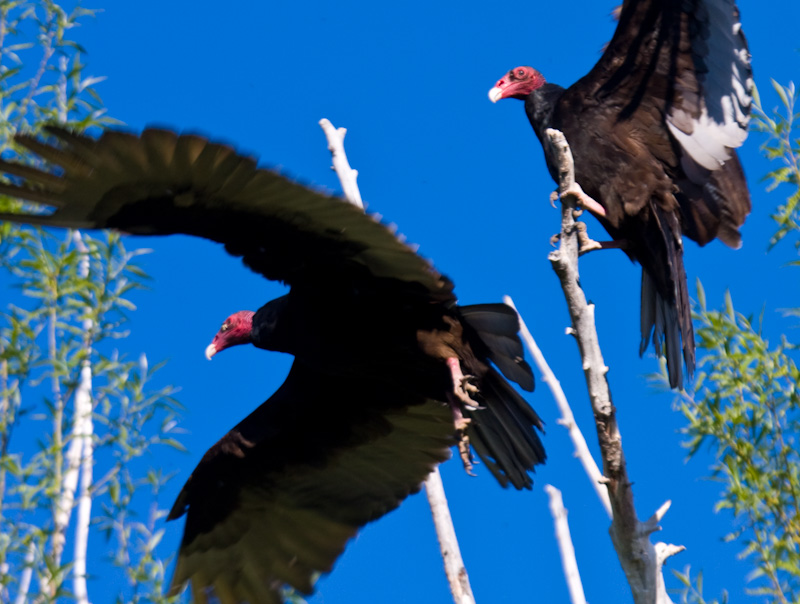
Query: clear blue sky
464	179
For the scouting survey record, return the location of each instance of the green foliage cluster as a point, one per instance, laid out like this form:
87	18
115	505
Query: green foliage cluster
61	337
745	404
43	349
692	588
781	145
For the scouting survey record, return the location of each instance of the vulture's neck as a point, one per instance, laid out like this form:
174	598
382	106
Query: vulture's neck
539	106
273	326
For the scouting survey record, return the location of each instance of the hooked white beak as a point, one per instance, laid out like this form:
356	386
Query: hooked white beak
495	94
211	350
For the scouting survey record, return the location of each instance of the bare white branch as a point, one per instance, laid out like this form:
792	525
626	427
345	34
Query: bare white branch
567	420
651	525
83	408
631	538
565	546
82	433
69	480
25	576
445	531
448	543
667	550
347	175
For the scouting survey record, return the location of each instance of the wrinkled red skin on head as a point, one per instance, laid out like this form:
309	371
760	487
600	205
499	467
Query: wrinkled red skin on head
235	330
519	83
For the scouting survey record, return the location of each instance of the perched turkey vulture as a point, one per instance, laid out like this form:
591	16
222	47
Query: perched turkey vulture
653	128
377	394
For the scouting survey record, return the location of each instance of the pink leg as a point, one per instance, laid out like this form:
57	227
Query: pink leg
586	244
455	398
462	388
585	201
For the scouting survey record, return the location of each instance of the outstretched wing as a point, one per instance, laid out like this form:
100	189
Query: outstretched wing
274	502
674	85
687	58
160	182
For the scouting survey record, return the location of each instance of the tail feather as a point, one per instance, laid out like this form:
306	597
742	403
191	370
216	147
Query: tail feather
504	432
660	323
714	204
666	314
497	326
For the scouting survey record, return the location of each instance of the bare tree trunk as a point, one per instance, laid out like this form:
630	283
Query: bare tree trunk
641	560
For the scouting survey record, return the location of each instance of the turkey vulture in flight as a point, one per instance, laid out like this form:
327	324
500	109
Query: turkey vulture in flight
377	394
653	128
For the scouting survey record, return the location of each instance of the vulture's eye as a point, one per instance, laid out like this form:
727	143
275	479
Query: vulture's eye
225	327
520	73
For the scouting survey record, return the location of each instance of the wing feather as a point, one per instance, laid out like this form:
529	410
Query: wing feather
160	182
690	59
268	507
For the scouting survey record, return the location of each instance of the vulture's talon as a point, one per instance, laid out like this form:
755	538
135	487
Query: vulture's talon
588	245
585	243
555	239
463	393
462	388
465	399
583	201
467	385
577	212
461	423
466	455
554	196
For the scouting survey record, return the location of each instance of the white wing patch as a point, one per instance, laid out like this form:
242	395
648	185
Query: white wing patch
722	69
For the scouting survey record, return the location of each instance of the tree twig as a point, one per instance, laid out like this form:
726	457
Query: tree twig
445	531
347	175
640	559
565	547
448	542
567	420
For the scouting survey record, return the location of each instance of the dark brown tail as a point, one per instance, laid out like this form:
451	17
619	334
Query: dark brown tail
503	431
666	312
497	326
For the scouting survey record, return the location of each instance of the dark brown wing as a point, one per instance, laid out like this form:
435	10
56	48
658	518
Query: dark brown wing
673	87
274	502
160	182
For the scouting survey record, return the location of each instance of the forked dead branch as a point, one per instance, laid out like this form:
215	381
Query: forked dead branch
641	560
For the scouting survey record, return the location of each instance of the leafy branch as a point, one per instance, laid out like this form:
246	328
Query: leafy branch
782	144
